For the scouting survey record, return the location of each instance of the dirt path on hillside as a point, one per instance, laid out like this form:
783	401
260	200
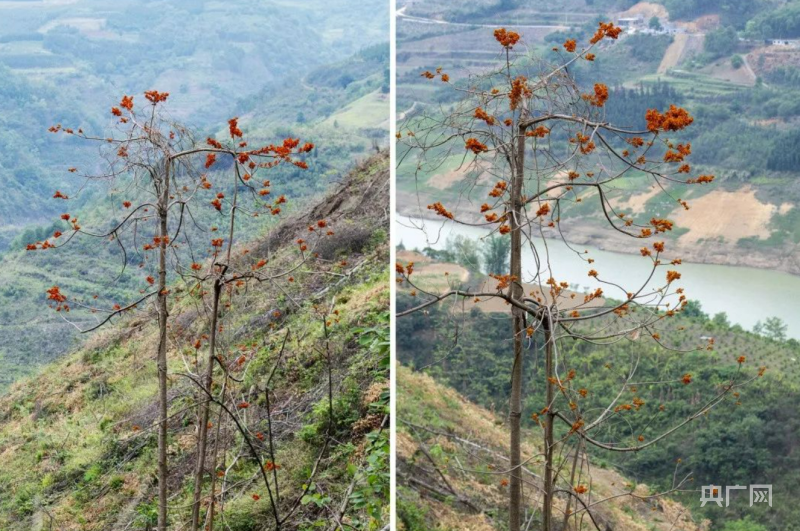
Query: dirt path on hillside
401	14
683	45
674	53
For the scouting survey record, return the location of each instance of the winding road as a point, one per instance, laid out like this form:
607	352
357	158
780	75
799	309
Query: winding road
401	15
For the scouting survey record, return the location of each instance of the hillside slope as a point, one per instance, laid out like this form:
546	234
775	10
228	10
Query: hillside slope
466	488
78	442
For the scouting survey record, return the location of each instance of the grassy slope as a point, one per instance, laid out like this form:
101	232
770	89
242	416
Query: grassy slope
77	442
468	445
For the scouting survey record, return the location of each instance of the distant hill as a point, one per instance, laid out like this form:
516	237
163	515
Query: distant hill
724	61
69	62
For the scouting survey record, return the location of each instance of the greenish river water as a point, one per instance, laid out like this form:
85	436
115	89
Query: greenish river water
746	295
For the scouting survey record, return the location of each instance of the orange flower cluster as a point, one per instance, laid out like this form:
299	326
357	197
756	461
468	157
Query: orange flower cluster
476	146
519	88
596	294
503	281
600	96
543	210
687	379
480	114
584	142
499	189
672	276
440	210
506	38
430	75
605	29
683	150
233	127
54	294
703	179
213	143
661	225
399	268
540	132
154	96
211	158
675	119
635	141
581	489
570	45
127	103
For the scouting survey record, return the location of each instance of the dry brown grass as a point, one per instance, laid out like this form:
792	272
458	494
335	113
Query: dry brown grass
468	421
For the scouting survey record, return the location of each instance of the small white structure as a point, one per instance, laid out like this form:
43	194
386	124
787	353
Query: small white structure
631	22
790	43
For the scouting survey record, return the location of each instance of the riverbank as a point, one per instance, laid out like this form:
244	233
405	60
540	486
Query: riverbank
746	294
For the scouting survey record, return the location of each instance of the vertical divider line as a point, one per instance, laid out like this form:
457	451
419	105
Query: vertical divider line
392	260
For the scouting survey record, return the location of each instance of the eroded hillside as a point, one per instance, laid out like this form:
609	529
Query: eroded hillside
78	441
452	471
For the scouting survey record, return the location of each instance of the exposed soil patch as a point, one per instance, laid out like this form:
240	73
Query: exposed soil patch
729	215
683	46
647	10
634	204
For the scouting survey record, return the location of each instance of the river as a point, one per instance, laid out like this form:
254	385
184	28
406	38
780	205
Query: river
745	294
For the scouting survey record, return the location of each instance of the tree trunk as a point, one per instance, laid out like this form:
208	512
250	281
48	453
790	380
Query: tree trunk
163	204
567	512
518	327
202	435
547	507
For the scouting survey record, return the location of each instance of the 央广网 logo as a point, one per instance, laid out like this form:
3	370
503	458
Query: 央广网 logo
713	494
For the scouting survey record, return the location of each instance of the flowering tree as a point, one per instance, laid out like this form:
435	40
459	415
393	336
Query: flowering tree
158	175
545	145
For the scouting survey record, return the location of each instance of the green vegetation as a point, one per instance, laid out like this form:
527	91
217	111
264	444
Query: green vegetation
781	22
746	439
79	443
